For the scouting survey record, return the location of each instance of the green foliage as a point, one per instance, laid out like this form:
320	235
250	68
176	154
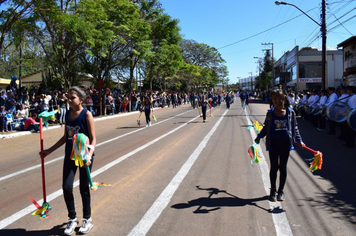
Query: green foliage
262	82
212	69
106	39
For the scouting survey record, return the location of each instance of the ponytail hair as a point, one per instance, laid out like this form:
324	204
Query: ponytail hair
280	93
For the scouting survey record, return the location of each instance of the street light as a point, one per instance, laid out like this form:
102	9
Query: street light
323	33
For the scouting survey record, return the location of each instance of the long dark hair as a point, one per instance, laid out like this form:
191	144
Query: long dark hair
280	93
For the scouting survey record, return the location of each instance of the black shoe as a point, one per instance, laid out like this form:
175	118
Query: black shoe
273	195
331	133
280	196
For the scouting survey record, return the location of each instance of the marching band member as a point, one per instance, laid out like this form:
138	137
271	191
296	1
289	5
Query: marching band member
332	98
305	103
314	105
311	100
321	105
349	132
343	98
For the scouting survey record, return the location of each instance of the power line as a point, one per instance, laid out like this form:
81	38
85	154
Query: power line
314	36
342	24
337	26
330	30
260	32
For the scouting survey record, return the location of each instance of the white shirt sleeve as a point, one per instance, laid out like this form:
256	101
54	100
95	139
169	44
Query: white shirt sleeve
333	97
352	102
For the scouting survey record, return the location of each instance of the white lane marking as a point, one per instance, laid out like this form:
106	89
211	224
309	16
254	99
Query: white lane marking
16	216
102	143
165	197
279	218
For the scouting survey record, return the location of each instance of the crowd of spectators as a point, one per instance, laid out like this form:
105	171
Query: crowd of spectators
21	105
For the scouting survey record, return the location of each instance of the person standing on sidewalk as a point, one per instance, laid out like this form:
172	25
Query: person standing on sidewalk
78	120
281	131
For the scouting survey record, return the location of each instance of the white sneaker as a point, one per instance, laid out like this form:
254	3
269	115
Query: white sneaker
72	223
149	124
86	227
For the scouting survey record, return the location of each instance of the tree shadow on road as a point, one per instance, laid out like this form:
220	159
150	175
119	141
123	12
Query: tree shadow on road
213	204
56	230
130	127
338	168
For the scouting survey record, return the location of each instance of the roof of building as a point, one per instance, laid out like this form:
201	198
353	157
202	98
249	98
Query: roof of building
347	42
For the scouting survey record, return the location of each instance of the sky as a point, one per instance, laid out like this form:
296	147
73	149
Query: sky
239	28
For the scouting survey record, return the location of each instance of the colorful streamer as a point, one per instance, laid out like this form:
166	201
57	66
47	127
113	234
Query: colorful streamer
80	151
254	154
211	115
138	119
196	100
153	116
257	126
48	115
42	211
316	163
80	154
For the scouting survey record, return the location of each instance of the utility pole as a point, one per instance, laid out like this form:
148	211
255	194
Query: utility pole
251	81
271	44
323	33
20	69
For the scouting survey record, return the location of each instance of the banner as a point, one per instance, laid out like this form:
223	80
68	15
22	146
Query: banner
309	80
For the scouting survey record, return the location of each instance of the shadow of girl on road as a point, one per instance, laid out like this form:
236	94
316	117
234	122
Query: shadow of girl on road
213	204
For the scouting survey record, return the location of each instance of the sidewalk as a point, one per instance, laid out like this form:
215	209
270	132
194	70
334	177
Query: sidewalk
14	134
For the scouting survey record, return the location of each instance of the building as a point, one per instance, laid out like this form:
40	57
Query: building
35	78
349	62
247	84
5	82
302	69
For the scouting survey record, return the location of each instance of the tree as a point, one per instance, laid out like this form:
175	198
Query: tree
17	9
164	58
184	78
67	29
266	73
212	66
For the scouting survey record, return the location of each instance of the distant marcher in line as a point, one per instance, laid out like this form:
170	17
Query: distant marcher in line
204	105
228	100
243	98
147	106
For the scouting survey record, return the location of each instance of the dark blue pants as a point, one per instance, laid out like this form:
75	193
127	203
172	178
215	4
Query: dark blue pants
203	110
147	114
69	170
33	127
278	155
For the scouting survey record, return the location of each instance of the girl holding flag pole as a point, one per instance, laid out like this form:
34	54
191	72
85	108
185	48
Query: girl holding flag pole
77	120
281	131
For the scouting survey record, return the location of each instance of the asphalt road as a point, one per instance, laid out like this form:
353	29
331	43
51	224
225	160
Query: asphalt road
183	177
